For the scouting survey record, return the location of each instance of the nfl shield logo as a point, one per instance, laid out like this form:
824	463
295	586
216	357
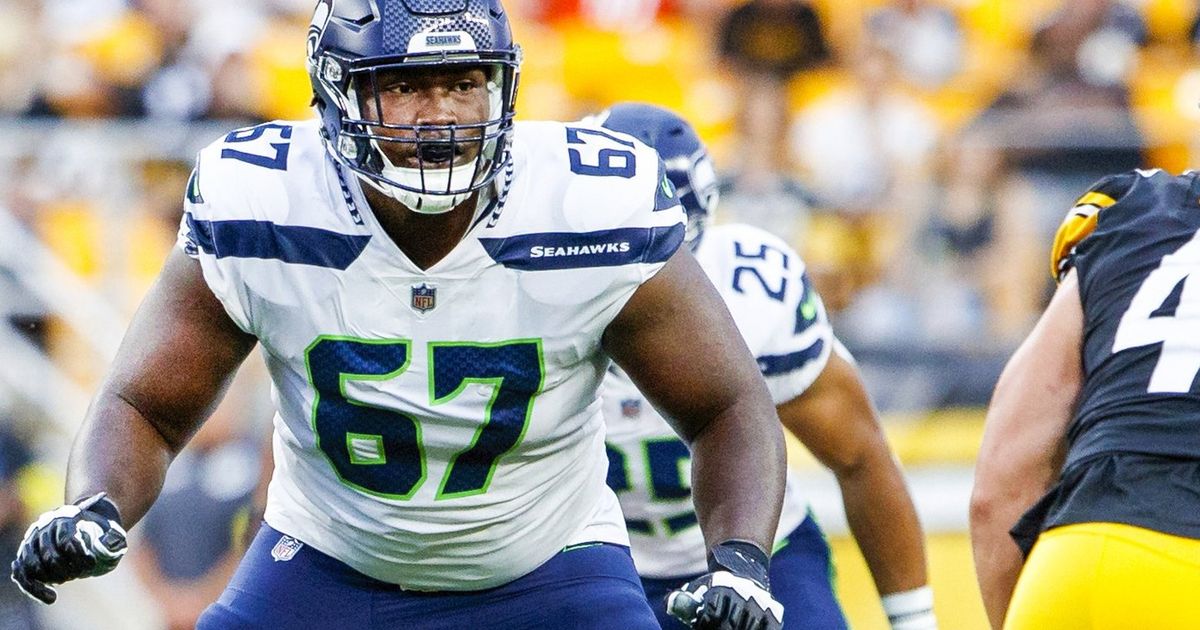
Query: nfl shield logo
631	407
286	549
424	298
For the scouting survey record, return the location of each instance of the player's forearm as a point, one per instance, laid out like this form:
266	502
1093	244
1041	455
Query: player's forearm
118	451
1005	487
997	558
884	522
1019	459
738	469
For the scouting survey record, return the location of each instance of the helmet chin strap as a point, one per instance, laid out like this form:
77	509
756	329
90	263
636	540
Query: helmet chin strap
440	179
428	204
436	204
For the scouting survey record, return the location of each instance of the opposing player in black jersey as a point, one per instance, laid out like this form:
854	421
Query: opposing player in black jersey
1088	481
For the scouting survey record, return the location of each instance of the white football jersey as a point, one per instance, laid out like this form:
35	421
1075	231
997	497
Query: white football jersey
438	429
781	317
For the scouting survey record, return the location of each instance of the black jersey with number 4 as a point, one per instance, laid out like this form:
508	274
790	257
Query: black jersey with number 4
1134	444
1132	240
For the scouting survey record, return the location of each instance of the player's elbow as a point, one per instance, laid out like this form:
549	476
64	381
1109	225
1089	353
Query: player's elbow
868	456
851	463
988	503
981	507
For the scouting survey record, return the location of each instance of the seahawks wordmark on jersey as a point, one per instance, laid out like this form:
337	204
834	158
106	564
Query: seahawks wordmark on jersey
783	322
438	429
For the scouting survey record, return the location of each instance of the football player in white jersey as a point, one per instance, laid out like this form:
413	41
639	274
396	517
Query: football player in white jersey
820	400
437	292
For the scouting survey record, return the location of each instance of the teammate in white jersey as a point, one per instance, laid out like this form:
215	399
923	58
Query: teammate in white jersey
436	292
820	400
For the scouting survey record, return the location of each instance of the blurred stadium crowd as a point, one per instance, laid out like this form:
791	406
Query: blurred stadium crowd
918	153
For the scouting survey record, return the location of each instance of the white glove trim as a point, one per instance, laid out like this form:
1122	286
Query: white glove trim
749	591
910	610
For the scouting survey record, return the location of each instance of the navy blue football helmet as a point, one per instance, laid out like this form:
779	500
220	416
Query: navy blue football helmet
352	42
688	165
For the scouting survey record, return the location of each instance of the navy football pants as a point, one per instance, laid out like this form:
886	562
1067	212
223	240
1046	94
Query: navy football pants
593	587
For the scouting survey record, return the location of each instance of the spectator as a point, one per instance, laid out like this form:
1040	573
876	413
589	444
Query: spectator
777	38
1072	116
860	145
98	67
16	610
1060	127
926	40
765	43
958	243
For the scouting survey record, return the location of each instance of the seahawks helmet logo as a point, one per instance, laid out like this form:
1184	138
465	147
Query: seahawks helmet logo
317	28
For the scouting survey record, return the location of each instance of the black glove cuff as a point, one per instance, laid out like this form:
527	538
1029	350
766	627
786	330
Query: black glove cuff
100	504
741	558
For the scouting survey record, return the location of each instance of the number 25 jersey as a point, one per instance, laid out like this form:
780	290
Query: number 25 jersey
781	318
437	429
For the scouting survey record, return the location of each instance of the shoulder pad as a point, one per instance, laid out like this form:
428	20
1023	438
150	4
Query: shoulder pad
579	155
237	171
1081	220
585	197
268	192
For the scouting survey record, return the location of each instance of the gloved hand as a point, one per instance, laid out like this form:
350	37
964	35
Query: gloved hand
735	595
83	539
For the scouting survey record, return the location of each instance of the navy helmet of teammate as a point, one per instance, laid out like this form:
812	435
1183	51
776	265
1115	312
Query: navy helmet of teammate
1086	506
819	398
437	354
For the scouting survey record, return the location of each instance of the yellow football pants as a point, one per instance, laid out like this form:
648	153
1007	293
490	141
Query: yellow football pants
1105	576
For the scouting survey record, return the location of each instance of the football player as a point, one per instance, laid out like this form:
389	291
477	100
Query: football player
819	397
437	292
1086	507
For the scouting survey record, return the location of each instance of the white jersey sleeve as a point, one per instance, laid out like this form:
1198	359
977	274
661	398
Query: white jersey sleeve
240	219
777	311
430	420
765	285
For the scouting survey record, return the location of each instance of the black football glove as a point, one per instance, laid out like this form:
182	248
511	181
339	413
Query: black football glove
83	539
734	595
